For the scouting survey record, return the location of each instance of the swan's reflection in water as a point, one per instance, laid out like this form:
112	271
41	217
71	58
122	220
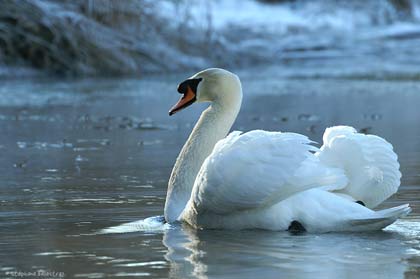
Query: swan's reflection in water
247	254
184	252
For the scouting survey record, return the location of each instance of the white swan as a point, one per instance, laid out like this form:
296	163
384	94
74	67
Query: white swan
275	180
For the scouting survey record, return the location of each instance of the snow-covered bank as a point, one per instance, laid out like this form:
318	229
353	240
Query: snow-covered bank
90	37
305	38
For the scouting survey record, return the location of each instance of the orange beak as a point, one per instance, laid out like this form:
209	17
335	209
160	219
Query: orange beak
187	99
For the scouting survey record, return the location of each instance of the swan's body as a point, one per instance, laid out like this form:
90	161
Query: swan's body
267	180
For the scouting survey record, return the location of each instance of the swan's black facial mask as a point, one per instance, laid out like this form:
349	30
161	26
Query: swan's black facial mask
188	89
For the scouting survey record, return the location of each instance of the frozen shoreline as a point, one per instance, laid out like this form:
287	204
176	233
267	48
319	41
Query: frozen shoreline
312	39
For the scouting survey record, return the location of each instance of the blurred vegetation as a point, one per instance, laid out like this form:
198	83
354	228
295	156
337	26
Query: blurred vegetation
91	37
131	37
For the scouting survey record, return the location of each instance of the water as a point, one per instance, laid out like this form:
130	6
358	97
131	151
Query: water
85	155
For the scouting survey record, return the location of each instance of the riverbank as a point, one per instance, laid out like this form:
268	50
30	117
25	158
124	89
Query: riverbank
376	39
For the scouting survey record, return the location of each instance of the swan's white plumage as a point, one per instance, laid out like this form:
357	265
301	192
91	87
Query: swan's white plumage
266	180
369	162
318	210
258	169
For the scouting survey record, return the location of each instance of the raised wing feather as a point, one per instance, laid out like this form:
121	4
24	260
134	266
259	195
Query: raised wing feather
258	169
369	162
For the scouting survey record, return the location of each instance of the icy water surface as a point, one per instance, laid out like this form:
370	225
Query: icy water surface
82	156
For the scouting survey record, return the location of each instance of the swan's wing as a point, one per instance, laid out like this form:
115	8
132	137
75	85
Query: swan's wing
369	161
258	169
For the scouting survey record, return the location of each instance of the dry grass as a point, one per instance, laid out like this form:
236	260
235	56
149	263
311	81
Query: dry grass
93	37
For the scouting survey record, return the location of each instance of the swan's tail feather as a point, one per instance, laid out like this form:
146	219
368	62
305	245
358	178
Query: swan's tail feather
369	162
380	220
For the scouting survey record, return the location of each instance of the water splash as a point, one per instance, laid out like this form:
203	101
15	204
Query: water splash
406	228
154	224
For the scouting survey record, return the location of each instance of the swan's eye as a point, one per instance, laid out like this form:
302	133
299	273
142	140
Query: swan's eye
188	89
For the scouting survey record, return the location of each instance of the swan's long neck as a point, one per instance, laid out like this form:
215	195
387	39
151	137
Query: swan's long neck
213	125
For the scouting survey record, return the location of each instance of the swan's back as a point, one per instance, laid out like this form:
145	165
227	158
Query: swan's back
257	169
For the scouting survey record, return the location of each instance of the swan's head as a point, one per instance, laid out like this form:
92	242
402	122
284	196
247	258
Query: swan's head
211	85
